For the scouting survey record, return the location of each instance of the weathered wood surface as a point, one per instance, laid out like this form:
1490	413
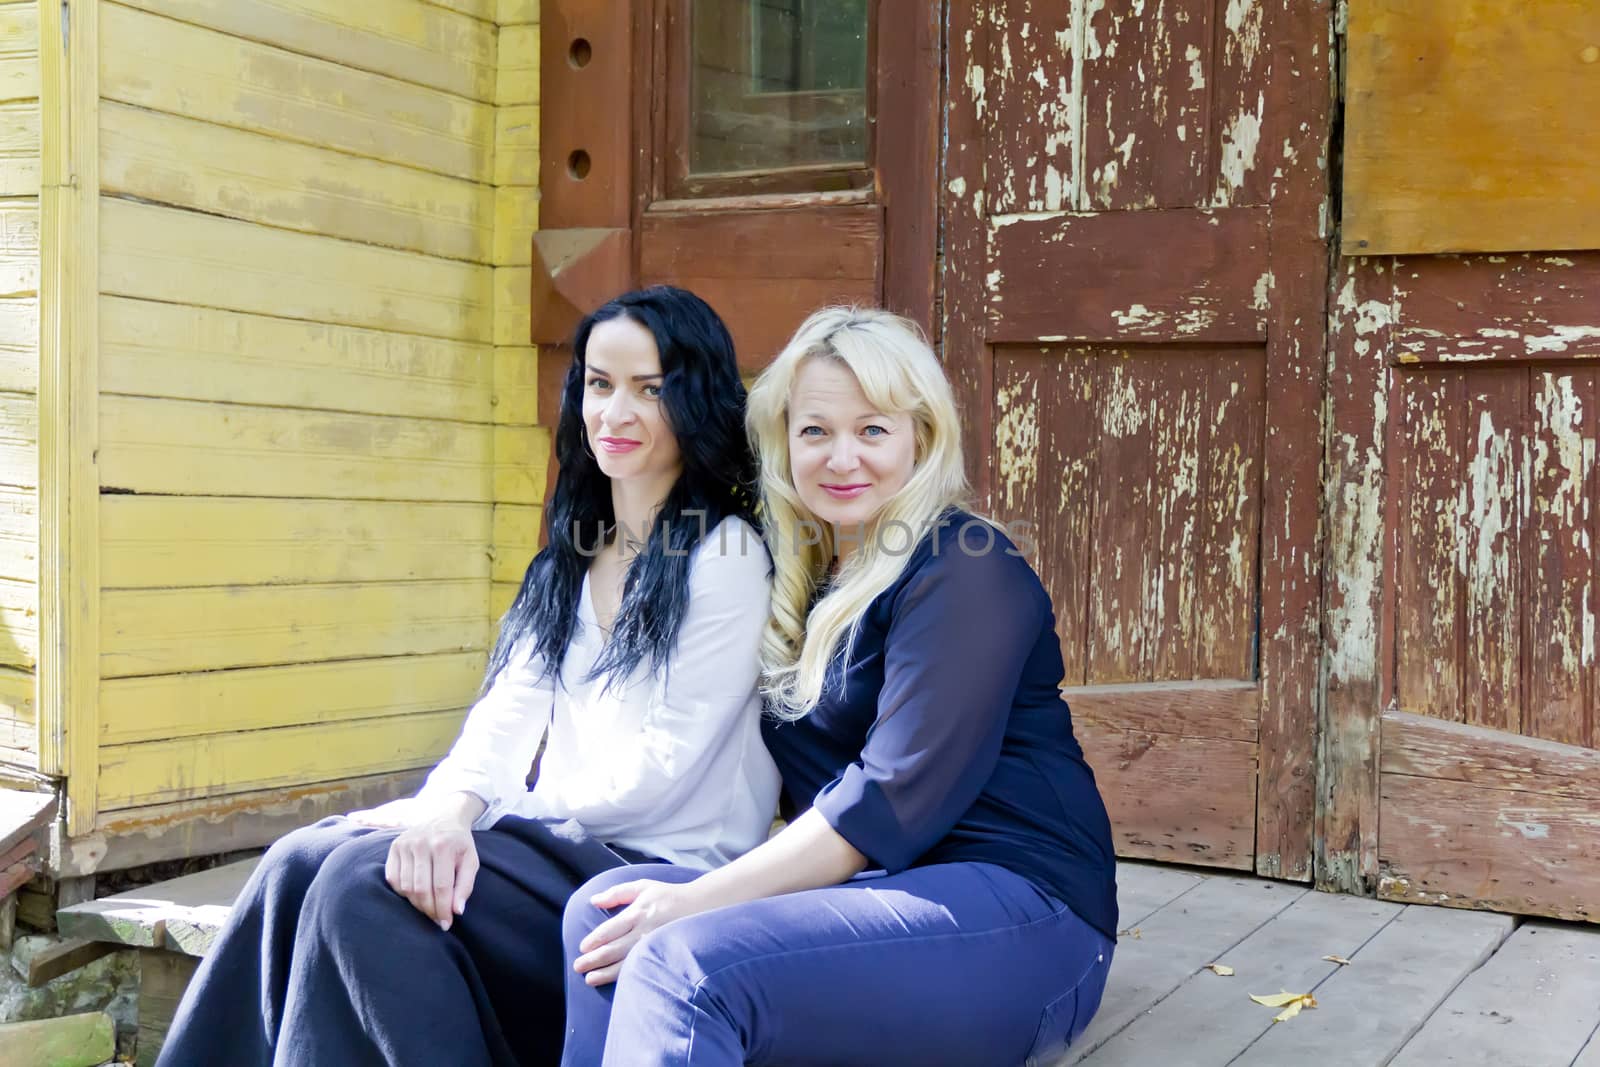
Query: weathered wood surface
1536	1003
1436	985
163	977
1478	818
1394	982
85	1040
1436	127
1209	1019
181	915
1166	949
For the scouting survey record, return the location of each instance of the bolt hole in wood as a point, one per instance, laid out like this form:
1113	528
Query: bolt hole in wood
578	165
579	54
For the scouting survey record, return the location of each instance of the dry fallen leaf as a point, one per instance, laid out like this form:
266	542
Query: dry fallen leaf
1340	960
1220	968
1291	1003
1133	933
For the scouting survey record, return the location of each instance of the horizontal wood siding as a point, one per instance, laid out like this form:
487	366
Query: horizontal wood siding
319	450
19	380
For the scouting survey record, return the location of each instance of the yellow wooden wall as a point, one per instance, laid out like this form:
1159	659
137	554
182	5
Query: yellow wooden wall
19	378
318	459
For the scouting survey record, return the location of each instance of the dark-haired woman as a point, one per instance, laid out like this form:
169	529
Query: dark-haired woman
428	931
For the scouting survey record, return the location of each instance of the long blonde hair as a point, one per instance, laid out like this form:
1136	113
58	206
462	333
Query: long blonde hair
898	374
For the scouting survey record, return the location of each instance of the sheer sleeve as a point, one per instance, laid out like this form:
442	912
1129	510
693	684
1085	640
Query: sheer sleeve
961	629
492	756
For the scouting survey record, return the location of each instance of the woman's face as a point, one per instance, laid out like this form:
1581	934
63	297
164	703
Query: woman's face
622	412
846	457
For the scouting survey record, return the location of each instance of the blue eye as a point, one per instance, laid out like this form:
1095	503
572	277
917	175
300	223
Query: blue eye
652	391
811	431
599	383
875	431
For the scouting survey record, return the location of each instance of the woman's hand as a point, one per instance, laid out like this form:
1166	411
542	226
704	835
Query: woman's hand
434	866
649	905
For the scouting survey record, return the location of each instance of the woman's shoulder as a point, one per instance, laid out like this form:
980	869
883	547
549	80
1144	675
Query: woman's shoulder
974	557
734	549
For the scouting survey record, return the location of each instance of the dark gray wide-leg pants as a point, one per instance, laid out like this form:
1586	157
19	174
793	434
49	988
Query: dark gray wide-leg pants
322	963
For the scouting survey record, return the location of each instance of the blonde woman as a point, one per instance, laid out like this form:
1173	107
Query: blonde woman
946	893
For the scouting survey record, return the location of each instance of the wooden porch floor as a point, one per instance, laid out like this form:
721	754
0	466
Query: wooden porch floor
1424	986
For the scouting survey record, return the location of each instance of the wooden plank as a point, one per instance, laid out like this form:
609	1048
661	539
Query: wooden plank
516	145
1147	92
408	40
19	534
1430	93
515	400
19	344
19	624
1210	1018
1491	542
1394	983
1122	629
19	247
765	271
193	448
1028	93
1069	455
19	148
19	52
517	66
1242	152
216	764
1168	607
1228	535
512	315
501	595
516	217
166	631
1357	598
163	541
19	440
1176	799
137	836
1534	1002
1476	818
515	540
55	959
1428	629
19	742
164	707
1559	561
179	257
1197	928
1477	308
1203	288
509	12
187	163
142	917
80	1040
201	353
163	978
21	815
1189	709
1143	889
233	82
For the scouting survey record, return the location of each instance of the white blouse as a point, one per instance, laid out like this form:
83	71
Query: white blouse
669	763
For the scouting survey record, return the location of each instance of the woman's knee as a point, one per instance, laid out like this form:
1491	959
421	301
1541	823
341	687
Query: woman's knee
295	858
350	880
580	917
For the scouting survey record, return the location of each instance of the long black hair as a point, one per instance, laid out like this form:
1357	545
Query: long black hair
703	400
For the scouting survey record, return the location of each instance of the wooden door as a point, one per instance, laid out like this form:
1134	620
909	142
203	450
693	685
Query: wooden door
1133	283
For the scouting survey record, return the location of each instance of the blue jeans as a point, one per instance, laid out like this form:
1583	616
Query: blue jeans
964	964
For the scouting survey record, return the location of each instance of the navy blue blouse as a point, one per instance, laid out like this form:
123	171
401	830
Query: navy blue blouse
944	738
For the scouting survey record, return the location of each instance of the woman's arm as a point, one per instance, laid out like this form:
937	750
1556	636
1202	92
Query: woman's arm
806	854
961	629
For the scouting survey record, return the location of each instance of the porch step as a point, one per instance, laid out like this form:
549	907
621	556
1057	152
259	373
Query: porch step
183	915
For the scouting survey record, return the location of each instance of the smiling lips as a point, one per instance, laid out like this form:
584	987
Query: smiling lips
617	445
846	492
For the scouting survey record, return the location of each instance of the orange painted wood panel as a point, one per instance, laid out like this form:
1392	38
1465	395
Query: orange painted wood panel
1469	126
